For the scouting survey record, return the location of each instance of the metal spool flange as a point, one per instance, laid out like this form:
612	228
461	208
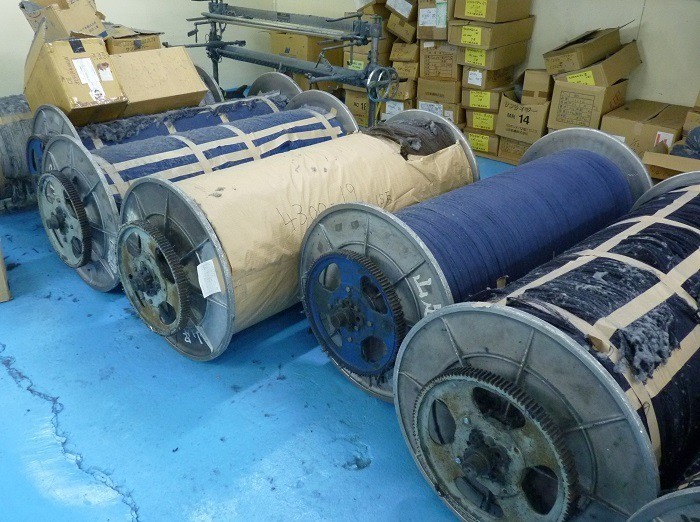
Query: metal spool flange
209	327
412	115
679	506
615	466
327	103
214	95
601	143
680	181
49	121
272	82
68	156
396	251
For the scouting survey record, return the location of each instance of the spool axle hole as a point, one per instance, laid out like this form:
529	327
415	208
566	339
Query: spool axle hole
373	349
442	427
541	488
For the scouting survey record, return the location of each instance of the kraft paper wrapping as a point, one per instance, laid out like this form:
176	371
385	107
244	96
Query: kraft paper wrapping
261	213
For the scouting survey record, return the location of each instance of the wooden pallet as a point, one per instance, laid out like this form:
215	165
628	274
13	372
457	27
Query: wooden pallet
4	287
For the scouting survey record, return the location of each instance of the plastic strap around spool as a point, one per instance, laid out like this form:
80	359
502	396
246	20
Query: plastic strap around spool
541	360
599	142
275	82
413	114
328	103
67	155
669	185
375	233
196	243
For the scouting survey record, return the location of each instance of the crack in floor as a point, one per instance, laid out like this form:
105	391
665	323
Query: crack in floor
101	476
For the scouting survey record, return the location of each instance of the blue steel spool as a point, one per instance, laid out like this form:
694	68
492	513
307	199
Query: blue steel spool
443	250
103	176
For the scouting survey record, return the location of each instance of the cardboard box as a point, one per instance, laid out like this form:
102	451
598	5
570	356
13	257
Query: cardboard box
385	44
358	62
376	9
433	16
526	123
393	107
492	10
512	151
407	90
358	103
303	47
64	18
691	121
407	70
499	58
484	101
439	61
449	111
406	9
582	51
575	105
643	124
406	31
485	80
482	35
439	91
122	39
481	120
609	71
663	166
537	87
482	141
158	80
76	76
405	52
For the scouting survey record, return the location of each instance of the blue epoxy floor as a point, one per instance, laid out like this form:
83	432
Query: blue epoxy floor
101	420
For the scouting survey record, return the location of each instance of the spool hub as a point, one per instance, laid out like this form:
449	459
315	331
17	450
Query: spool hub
65	220
614	463
355	311
157	281
491	451
66	155
205	332
49	121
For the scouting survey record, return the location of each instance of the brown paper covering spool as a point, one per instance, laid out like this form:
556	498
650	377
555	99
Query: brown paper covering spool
260	226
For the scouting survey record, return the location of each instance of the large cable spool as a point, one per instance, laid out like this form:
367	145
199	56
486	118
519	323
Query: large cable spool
423	251
81	192
572	393
233	242
270	93
16	188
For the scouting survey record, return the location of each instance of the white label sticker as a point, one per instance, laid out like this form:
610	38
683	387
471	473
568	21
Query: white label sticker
427	45
394	107
441	18
402	7
475	78
450	115
427	17
88	76
621	139
105	72
664	137
435	108
208	279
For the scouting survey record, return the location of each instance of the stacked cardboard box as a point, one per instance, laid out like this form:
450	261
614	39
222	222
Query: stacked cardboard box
590	78
491	37
403	24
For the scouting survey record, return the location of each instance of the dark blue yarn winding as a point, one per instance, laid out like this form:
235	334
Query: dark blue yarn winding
511	223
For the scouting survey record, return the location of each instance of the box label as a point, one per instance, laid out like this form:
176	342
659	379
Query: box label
450	115
471	35
441	17
484	121
402	7
480	100
208	279
475	57
475	78
435	108
664	137
88	76
427	17
394	107
356	65
583	78
476	8
479	142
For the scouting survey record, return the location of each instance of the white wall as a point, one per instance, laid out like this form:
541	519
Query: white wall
668	33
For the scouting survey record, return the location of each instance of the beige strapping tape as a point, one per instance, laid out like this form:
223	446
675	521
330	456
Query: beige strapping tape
118	187
203	160
267	100
224	118
252	150
324	119
99	144
171	128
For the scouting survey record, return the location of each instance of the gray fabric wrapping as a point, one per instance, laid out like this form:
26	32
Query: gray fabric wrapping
416	137
16	186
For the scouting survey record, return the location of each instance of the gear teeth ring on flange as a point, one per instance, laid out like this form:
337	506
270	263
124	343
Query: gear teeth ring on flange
536	413
386	289
178	273
78	207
